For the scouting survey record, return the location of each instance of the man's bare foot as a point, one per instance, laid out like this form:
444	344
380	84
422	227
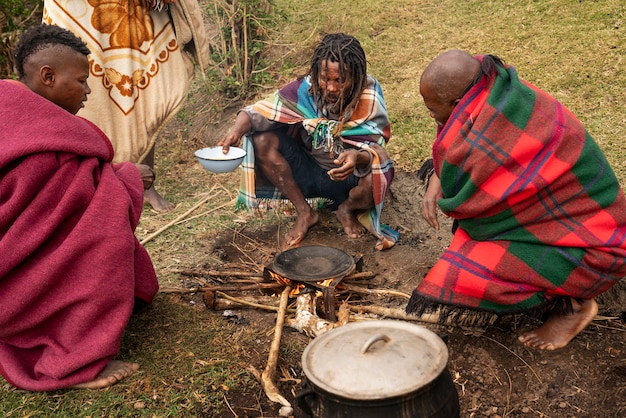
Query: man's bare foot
297	233
112	373
559	330
351	225
152	197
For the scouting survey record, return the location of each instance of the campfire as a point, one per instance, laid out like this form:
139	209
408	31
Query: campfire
322	288
306	274
317	268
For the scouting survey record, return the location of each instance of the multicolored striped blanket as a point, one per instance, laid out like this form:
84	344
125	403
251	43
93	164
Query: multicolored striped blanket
541	213
367	127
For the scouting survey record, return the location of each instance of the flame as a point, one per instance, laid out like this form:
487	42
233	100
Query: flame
296	290
297	287
326	283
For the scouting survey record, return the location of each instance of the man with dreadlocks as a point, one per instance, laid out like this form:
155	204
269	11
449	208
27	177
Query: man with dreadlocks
321	137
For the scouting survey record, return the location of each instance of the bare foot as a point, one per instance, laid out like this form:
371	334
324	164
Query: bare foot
152	197
351	225
559	330
297	233
112	373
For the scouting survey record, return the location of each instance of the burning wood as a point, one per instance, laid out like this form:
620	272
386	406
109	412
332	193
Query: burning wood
308	322
306	319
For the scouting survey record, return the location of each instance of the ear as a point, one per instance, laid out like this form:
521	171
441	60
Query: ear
46	74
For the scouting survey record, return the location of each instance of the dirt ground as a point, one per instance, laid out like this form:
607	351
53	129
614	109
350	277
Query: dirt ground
494	374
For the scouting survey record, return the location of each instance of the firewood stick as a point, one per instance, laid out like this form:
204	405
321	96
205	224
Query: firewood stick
360	275
172	223
267	377
251	304
217	273
431	318
216	303
360	289
222	304
395	313
225	288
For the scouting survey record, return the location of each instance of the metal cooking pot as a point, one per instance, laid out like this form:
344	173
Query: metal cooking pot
384	368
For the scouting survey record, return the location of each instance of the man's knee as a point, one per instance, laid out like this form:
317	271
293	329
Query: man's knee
360	196
265	142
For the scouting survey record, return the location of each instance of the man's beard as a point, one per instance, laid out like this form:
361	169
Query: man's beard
337	106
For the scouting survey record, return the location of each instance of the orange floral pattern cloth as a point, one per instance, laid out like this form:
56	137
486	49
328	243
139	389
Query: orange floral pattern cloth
140	68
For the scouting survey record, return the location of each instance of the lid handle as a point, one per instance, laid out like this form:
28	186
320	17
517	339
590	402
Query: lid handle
373	340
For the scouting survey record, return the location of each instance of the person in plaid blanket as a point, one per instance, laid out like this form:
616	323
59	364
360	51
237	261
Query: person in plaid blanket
320	136
541	217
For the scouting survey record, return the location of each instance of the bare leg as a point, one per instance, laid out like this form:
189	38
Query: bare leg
559	330
277	171
359	199
113	372
151	196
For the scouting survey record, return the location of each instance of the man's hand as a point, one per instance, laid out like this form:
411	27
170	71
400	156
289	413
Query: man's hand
233	136
429	204
346	161
147	175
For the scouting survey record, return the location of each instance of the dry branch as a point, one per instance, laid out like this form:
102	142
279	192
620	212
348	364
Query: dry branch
244	302
267	377
359	289
223	288
172	223
360	275
217	273
215	303
395	313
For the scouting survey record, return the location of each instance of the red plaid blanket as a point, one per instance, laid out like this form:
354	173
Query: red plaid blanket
541	213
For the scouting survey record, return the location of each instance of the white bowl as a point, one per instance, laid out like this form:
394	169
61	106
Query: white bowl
214	160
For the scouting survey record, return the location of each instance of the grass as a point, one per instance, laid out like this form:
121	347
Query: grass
193	360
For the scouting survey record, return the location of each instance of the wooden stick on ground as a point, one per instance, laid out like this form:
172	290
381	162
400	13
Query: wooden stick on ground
196	206
360	275
360	289
218	273
222	288
267	377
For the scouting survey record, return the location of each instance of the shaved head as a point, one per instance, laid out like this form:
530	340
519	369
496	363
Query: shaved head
450	74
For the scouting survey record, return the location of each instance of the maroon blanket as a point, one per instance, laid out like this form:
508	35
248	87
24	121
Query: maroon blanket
71	264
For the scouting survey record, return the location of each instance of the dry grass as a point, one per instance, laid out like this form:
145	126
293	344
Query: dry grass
194	361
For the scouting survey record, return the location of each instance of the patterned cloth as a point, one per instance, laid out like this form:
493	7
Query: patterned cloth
367	127
140	64
541	213
71	264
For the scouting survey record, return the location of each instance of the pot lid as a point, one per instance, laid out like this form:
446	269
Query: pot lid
313	263
374	359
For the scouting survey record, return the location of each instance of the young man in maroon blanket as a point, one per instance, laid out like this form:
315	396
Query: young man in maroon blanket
541	216
71	267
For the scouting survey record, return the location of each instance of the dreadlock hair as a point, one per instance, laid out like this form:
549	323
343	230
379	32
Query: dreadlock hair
347	51
40	37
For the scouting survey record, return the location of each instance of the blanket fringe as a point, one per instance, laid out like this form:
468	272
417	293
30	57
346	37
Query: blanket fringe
419	306
465	316
283	205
